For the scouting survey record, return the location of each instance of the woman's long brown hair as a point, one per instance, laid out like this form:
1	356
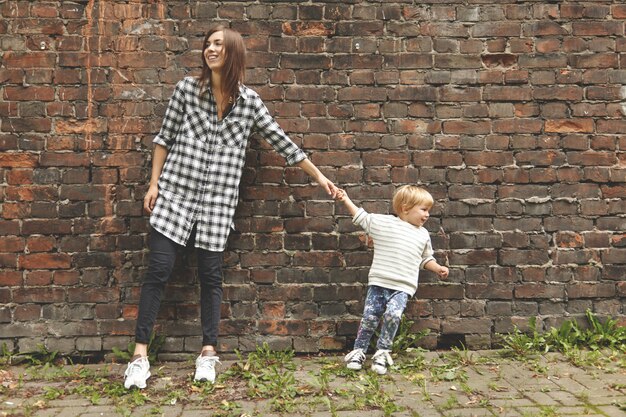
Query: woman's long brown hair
233	69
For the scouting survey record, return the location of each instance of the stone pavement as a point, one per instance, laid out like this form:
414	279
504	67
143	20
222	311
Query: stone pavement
425	384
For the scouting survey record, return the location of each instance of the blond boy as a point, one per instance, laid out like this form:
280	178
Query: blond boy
402	247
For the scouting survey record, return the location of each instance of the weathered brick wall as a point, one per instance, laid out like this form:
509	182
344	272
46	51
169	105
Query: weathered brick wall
510	112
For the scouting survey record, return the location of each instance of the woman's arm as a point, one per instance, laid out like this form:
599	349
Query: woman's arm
158	160
312	171
274	135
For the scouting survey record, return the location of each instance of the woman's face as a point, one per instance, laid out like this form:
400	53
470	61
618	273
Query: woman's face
214	52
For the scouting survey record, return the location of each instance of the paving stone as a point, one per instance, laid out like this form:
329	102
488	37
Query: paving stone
512	402
468	412
78	411
612	411
566	398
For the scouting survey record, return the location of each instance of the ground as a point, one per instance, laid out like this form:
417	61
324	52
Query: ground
268	383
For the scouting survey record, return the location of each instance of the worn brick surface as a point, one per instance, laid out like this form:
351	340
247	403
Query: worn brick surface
511	113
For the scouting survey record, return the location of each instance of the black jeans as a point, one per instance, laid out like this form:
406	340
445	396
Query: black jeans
162	258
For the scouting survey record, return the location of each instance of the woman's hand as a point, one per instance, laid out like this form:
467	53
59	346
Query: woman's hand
328	185
150	199
307	166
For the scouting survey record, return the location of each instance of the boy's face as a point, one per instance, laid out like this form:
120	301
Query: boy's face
416	215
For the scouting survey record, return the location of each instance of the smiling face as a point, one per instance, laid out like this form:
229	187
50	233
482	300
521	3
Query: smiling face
214	51
416	215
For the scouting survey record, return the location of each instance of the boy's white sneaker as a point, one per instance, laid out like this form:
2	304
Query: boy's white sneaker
137	372
205	368
380	361
355	359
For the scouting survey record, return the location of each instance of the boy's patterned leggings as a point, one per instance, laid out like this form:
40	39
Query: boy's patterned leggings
385	303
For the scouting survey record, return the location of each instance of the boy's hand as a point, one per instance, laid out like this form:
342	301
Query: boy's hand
442	272
340	194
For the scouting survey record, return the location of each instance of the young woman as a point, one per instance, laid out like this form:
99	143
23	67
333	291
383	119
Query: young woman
197	164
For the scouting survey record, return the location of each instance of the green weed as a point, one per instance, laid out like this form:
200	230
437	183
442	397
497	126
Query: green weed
569	338
269	374
40	357
405	339
373	396
52	393
154	347
6	356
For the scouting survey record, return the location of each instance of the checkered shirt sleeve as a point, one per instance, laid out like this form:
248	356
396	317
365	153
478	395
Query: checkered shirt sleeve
275	136
173	119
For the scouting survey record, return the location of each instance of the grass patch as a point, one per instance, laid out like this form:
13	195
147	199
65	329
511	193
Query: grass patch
582	346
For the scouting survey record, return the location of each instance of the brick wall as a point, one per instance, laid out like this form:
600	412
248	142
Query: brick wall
511	114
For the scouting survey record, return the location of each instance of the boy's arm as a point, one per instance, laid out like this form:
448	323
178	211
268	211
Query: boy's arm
440	270
343	197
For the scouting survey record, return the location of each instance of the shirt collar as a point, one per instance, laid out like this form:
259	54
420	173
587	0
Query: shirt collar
243	92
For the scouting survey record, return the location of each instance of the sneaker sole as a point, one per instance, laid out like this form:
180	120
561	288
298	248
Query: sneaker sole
137	386
378	371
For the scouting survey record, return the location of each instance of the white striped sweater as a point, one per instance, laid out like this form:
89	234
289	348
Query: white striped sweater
400	250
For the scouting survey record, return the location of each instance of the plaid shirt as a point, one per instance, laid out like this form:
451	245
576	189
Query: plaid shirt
199	183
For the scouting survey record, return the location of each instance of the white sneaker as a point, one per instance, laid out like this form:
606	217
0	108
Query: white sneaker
380	360
354	360
137	372
205	368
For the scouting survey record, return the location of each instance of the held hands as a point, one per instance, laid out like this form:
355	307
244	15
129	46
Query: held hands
340	195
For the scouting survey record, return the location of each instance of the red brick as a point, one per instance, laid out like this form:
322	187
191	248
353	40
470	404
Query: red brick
45	261
18	160
28	312
39	295
20	176
597	60
10	278
592	158
38	278
507	94
66	277
489	158
569	240
603	28
618	11
569	126
590	290
539	291
317	259
31	59
466	127
12	244
440	291
30	93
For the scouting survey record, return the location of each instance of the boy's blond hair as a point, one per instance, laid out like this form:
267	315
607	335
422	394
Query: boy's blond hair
408	196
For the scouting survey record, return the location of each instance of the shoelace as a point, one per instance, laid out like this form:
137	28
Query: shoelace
134	368
385	356
209	361
355	355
